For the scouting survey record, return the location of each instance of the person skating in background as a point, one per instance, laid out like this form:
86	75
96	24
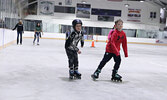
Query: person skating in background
72	50
117	38
20	31
111	31
37	34
84	30
68	32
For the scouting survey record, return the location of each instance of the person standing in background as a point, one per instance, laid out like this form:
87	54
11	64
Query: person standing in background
37	34
68	33
20	31
84	30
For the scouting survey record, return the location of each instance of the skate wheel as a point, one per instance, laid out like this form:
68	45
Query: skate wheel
71	77
77	77
116	80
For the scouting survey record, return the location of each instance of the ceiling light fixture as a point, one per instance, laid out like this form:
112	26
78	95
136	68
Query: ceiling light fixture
142	0
83	1
127	5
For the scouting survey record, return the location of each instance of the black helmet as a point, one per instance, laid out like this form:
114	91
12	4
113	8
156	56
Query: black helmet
75	22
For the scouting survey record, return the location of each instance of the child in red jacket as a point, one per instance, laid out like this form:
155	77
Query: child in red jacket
117	38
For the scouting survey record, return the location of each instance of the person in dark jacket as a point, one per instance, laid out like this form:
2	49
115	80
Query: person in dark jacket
20	31
72	50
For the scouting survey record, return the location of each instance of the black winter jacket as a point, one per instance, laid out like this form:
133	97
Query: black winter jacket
72	41
19	27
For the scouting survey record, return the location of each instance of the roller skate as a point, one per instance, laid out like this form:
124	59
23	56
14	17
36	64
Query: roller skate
95	75
71	74
116	77
77	75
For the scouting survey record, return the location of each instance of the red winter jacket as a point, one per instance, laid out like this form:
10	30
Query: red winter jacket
113	46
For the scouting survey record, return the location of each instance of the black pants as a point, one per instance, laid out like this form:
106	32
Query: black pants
19	33
107	57
72	59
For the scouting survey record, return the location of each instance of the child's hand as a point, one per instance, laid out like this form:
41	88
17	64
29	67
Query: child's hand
79	52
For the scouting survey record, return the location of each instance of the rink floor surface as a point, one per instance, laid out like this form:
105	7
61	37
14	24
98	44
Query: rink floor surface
31	72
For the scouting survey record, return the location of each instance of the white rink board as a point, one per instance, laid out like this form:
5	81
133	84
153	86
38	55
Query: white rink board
100	38
7	36
11	36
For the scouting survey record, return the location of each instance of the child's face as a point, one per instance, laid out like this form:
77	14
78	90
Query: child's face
78	27
119	25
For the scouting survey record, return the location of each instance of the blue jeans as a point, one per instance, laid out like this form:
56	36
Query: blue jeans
37	35
19	33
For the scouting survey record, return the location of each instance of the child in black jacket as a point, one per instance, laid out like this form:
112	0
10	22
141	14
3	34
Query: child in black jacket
72	50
